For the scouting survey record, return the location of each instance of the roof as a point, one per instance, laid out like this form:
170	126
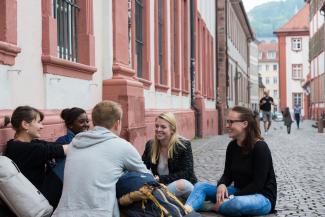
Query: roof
298	23
243	19
265	47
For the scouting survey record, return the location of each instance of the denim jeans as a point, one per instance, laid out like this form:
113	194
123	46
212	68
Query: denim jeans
255	204
181	193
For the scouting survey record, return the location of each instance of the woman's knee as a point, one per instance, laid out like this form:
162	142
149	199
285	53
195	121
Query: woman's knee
183	185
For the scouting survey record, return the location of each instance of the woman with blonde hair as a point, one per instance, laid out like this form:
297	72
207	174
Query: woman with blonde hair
169	157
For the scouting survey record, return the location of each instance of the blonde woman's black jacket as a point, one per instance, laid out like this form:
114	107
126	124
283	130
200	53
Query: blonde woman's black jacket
180	166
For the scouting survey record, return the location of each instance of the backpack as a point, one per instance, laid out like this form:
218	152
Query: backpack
140	195
19	193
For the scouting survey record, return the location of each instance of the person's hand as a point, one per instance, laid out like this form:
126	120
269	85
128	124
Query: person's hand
217	205
222	193
157	178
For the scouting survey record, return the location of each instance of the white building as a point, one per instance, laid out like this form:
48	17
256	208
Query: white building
138	53
253	76
293	39
268	67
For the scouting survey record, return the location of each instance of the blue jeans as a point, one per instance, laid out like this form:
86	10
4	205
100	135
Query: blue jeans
184	191
255	204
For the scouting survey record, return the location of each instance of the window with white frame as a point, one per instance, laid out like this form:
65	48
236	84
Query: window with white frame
296	44
297	99
271	54
275	67
275	80
275	93
297	71
267	80
259	68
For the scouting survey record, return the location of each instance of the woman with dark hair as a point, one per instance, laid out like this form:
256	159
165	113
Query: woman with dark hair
26	150
248	166
76	121
287	119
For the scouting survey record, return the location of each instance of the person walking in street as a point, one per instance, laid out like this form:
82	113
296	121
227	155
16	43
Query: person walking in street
265	105
287	119
96	160
297	113
169	157
248	166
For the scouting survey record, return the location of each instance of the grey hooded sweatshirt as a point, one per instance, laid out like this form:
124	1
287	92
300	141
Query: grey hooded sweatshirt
95	161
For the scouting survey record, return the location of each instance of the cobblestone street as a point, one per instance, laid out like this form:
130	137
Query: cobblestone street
299	166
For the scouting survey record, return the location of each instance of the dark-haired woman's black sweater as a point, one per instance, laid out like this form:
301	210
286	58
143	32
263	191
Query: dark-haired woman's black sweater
31	157
180	166
251	173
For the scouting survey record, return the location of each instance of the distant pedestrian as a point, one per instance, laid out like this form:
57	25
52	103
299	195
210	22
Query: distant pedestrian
265	105
297	112
287	119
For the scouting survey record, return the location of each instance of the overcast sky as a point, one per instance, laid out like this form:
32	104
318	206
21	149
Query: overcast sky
249	4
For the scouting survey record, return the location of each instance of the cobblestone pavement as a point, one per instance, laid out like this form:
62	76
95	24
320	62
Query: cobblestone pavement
299	160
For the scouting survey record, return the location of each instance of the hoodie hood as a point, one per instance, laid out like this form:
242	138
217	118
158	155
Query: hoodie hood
92	137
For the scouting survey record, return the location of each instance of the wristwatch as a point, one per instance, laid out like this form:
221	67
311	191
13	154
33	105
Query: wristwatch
231	197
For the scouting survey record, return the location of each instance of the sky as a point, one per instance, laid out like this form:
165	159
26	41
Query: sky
250	4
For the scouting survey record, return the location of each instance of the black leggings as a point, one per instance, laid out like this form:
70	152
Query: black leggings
288	129
297	117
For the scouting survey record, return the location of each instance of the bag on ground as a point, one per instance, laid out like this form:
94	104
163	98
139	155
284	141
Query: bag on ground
140	195
21	196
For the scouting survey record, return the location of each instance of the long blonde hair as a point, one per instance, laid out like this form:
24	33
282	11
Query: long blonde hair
173	142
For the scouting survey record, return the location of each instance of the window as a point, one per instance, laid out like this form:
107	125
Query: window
297	71
271	54
275	67
275	93
267	80
259	68
160	35
267	67
8	32
296	44
138	36
66	12
275	80
297	99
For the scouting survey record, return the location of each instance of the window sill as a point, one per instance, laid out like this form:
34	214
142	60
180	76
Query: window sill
161	88
58	66
8	53
176	91
146	83
185	92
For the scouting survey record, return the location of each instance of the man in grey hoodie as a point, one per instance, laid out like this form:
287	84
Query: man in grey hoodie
95	161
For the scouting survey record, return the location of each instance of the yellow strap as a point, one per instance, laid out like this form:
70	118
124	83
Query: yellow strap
165	189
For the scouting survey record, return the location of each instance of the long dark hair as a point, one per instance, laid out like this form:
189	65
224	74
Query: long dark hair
24	113
286	112
253	132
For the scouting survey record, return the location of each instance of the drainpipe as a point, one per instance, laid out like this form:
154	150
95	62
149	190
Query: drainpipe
198	131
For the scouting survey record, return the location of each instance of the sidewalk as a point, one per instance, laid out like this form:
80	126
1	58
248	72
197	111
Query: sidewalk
299	166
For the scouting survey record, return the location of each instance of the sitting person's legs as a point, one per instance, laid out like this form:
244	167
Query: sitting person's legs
255	204
181	188
202	191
